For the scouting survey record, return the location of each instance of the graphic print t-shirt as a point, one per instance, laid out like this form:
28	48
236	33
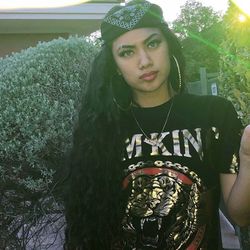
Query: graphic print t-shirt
173	182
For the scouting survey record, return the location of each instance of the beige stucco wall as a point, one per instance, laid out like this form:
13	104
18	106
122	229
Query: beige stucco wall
16	42
22	28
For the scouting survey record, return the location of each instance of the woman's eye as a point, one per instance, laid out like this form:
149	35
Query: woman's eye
126	53
154	44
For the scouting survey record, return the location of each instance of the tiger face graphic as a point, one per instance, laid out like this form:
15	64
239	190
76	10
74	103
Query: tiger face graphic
162	209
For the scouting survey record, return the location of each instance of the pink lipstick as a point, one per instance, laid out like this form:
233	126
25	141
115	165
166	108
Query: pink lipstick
150	76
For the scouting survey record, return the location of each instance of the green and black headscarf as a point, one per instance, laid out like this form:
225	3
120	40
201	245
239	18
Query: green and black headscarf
133	15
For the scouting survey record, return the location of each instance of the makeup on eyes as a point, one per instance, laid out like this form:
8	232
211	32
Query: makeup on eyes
126	50
155	41
125	46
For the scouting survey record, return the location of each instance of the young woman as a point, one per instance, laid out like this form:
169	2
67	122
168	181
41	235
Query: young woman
149	161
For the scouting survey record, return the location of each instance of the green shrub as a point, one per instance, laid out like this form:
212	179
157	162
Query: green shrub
40	92
235	63
235	76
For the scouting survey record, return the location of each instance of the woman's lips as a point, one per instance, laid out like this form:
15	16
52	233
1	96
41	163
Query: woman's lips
149	76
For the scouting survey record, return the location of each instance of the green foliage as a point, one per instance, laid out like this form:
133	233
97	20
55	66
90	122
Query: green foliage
194	18
40	92
201	32
235	63
202	50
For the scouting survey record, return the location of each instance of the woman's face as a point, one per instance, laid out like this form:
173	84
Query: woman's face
142	57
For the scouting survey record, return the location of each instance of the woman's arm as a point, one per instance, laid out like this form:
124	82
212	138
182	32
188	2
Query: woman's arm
236	188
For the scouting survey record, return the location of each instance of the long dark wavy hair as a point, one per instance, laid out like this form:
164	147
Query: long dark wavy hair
94	200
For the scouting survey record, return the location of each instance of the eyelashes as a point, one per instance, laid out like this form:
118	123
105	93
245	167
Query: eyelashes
126	53
153	44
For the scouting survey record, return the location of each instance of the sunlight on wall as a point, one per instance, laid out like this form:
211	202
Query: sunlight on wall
24	4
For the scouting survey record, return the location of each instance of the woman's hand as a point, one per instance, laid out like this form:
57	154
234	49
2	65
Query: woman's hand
245	147
236	189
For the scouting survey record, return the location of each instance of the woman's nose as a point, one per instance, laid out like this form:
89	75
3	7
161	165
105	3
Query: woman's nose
144	59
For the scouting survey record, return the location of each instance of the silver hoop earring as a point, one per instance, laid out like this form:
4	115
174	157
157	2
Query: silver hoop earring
179	73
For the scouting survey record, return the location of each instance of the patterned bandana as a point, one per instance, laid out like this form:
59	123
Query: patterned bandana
135	14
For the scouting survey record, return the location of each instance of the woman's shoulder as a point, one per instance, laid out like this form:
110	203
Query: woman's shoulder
207	109
202	102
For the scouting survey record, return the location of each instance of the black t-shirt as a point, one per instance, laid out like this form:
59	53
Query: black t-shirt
172	176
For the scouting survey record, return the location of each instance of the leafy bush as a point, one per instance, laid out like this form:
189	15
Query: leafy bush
235	66
235	76
201	32
40	92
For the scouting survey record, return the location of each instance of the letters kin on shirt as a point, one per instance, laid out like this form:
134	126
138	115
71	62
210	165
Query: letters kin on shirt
181	141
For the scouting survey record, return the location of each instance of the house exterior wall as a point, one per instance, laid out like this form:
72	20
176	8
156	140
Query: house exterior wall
23	28
16	42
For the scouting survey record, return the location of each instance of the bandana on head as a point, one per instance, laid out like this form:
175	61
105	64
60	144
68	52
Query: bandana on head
135	14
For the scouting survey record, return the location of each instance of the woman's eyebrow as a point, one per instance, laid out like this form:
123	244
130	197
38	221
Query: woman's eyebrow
128	46
152	35
123	46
